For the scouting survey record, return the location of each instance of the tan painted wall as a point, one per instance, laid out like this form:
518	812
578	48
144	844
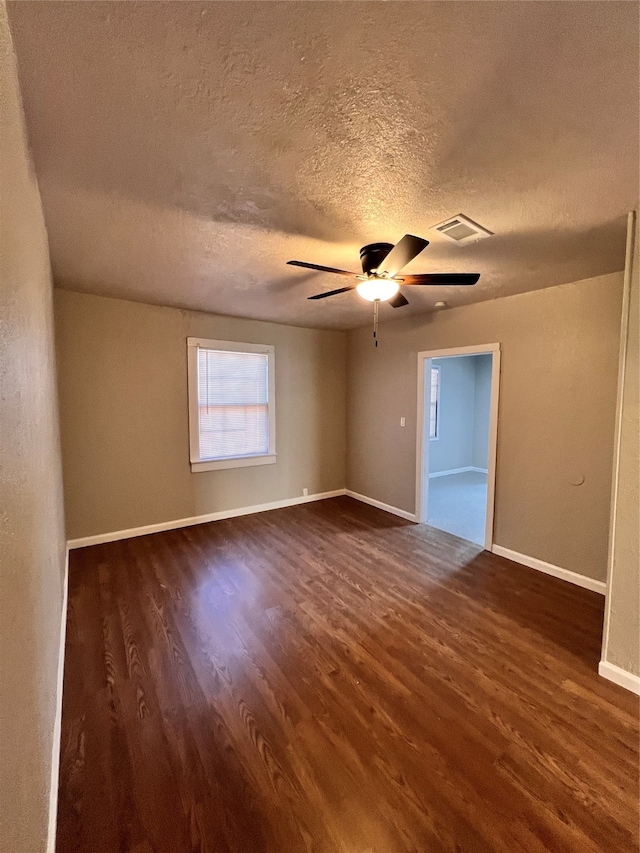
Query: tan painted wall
32	545
123	409
622	627
556	417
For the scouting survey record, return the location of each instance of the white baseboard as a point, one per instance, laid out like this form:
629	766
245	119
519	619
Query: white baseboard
57	724
409	516
101	538
550	569
619	676
458	471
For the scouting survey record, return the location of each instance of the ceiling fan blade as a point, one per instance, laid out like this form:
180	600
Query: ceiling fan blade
320	268
398	300
331	292
405	250
442	278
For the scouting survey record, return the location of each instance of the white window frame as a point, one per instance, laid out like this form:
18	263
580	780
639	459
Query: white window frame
435	437
199	464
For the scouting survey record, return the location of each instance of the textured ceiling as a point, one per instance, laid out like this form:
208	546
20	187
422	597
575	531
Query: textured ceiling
185	151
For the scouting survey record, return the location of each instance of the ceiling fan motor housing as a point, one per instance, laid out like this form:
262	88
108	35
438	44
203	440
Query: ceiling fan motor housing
373	255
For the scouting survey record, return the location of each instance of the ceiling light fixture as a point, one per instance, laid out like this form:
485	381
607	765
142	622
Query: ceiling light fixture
373	289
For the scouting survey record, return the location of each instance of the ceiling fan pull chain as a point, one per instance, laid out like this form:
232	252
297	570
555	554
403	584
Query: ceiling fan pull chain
376	308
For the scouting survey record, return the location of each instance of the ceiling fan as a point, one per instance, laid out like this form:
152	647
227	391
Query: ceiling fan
379	282
381	263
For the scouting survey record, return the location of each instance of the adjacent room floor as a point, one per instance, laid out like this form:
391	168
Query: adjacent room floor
458	504
331	678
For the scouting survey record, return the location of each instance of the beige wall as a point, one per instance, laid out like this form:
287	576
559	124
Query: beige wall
556	417
622	626
123	408
32	547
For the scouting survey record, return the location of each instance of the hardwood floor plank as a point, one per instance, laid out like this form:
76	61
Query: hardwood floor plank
329	678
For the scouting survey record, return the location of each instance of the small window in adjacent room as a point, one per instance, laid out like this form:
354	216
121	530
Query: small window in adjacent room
231	404
434	404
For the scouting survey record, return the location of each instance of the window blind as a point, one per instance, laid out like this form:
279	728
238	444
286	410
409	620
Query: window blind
433	403
233	404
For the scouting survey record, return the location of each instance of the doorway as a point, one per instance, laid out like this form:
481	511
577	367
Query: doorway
457	434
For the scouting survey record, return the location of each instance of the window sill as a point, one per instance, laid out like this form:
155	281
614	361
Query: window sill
238	462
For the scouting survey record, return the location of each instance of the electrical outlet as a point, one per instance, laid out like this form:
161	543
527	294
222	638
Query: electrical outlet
402	421
305	493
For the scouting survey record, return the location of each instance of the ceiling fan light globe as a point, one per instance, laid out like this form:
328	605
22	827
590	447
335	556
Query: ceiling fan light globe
378	288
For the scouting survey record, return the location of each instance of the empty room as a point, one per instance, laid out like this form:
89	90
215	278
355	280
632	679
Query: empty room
319	427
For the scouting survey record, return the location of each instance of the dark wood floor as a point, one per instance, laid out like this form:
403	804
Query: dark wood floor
330	678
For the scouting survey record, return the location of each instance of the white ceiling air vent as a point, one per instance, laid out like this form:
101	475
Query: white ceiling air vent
461	230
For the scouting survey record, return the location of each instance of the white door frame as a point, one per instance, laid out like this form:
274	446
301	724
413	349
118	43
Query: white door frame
422	443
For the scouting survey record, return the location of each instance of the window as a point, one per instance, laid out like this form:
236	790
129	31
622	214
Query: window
231	404
434	404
